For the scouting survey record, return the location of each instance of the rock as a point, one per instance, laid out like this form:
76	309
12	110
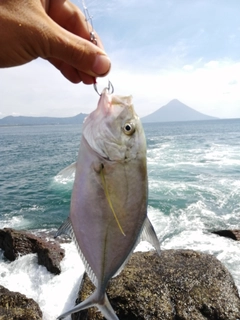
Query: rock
181	284
232	234
50	255
15	243
16	306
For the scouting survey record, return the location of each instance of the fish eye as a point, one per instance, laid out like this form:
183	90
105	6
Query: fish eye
129	128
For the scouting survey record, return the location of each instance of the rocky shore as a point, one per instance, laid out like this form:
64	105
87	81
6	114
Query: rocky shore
15	243
181	284
178	285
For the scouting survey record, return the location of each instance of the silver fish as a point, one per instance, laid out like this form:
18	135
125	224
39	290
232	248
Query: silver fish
108	213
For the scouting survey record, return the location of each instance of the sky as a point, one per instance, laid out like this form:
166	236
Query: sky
160	50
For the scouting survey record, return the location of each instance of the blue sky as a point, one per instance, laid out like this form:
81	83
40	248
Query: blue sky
160	50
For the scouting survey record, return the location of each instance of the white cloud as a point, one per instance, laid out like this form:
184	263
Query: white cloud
38	89
212	64
203	88
15	114
233	82
188	67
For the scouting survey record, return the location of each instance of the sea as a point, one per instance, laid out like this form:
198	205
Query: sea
194	188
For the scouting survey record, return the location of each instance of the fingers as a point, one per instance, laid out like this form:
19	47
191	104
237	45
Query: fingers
71	18
71	73
53	30
69	47
68	52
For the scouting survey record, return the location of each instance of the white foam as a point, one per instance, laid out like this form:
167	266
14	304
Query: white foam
12	221
54	294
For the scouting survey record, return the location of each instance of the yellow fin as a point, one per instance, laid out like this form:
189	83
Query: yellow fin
110	202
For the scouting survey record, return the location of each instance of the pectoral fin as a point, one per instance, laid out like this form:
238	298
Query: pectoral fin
148	234
68	171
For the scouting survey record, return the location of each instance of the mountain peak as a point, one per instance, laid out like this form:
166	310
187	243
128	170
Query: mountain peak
175	110
174	101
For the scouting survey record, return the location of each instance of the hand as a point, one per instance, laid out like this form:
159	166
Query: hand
55	30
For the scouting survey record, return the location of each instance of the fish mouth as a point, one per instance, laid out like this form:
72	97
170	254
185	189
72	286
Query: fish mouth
105	101
108	100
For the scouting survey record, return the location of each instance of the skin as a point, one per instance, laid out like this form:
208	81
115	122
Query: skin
53	30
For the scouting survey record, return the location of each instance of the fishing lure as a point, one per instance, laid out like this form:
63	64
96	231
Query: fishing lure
89	19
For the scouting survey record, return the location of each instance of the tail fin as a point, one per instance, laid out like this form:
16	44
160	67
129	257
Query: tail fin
93	301
107	309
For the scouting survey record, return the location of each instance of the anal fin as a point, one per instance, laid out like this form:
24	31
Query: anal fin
66	228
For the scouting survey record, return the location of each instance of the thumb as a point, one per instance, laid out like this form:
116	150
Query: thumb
77	58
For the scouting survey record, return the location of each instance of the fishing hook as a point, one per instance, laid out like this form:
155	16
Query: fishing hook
110	88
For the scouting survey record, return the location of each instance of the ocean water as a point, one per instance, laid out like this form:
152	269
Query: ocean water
194	188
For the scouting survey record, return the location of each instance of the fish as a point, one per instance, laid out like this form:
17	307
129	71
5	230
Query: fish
108	210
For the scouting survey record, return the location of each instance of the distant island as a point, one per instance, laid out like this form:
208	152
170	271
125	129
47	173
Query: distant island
31	121
171	112
175	110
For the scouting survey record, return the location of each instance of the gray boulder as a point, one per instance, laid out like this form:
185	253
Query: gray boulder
178	285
